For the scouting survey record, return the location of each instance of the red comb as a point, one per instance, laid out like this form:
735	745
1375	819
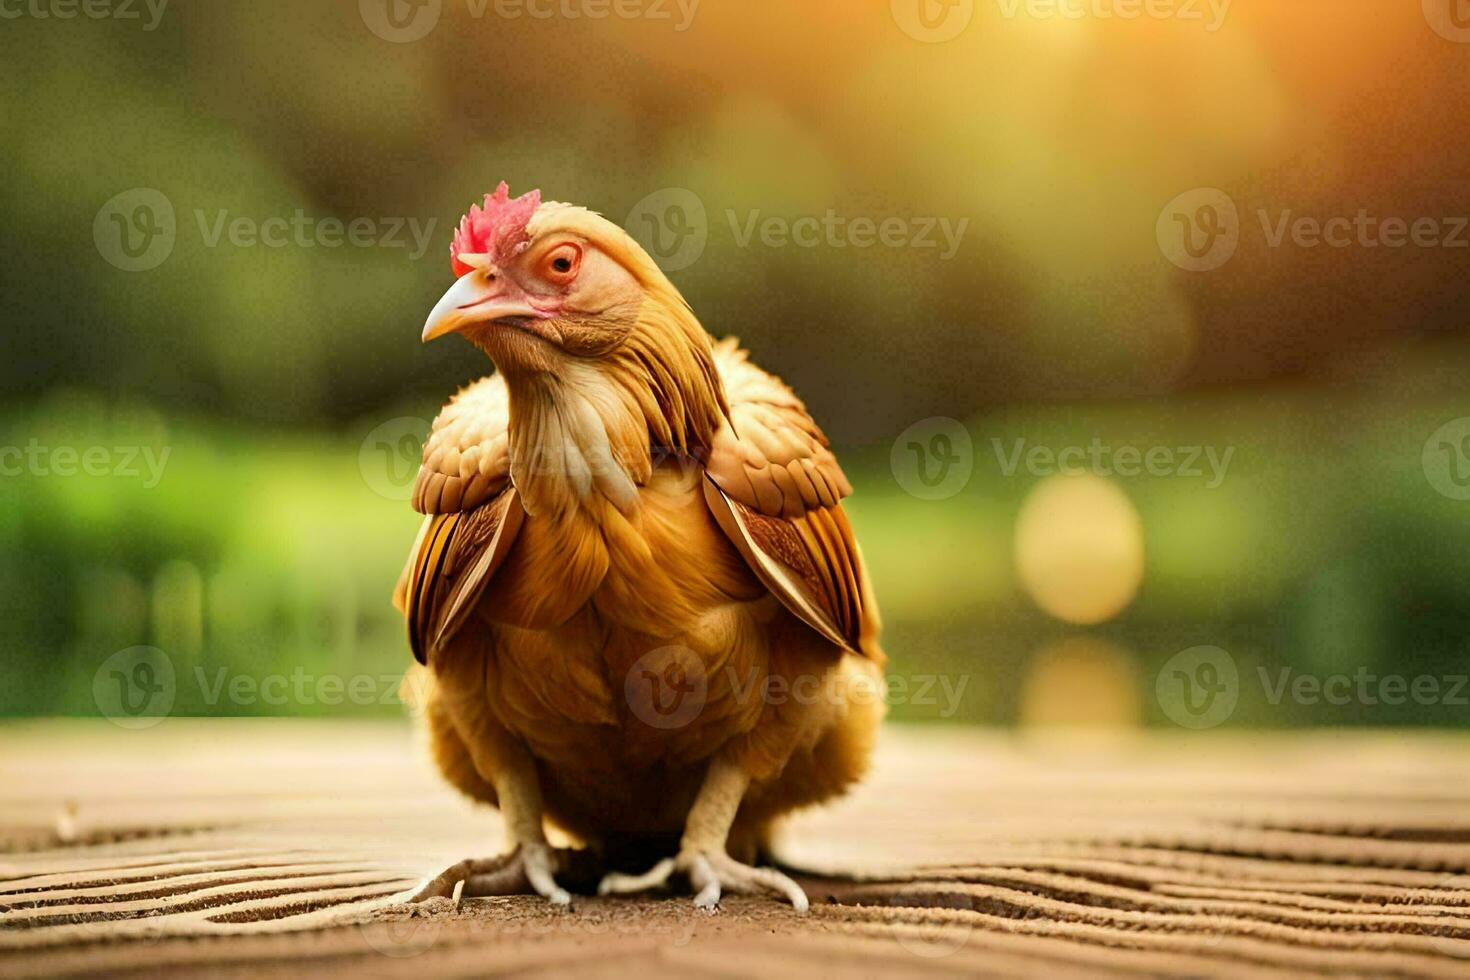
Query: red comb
498	228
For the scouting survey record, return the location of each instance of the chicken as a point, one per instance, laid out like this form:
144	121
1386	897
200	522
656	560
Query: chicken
640	611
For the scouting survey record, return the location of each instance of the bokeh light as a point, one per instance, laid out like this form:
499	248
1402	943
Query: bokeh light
1079	548
1082	682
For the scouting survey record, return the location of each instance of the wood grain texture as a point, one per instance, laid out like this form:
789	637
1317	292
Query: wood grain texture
272	847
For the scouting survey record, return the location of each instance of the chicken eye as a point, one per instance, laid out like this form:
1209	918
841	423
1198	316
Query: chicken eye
562	263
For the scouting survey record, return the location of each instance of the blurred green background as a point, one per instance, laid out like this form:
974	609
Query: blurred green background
286	383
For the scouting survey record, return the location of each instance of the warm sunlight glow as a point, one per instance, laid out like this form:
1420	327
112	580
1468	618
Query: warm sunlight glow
1079	548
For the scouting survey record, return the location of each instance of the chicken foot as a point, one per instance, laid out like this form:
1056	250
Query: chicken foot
702	855
531	866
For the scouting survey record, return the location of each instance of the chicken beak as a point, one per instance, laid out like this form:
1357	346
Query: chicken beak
478	296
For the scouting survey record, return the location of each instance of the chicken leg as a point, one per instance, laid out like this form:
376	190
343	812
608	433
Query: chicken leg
702	855
532	864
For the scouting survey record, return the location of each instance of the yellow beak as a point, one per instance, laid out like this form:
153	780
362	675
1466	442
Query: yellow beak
478	296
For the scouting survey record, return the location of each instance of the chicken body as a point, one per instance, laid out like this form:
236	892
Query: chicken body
552	670
615	642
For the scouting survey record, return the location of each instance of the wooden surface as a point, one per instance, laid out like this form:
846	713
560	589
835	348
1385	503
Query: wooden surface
274	847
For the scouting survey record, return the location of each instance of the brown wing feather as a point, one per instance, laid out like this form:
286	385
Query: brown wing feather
473	515
775	489
467	458
453	560
771	455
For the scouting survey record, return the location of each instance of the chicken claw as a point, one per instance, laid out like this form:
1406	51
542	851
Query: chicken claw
529	868
710	872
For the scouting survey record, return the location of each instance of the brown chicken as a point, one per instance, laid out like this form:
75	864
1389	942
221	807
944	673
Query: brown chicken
642	615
